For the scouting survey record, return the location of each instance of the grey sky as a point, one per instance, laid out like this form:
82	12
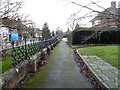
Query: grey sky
56	12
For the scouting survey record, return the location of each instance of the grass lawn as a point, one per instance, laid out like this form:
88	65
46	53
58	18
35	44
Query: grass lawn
5	64
107	53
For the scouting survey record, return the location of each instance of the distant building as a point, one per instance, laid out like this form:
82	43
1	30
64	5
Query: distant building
38	34
4	32
107	18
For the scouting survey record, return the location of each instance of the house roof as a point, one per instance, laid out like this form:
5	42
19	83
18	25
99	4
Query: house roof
107	13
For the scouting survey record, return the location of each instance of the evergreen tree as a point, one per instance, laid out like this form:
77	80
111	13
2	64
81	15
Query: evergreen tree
53	33
46	32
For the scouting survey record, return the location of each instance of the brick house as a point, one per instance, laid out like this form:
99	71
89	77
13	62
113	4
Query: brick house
107	18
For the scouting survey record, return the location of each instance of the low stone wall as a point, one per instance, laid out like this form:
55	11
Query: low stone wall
11	78
84	68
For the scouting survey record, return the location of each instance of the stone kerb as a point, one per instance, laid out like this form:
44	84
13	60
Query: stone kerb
12	77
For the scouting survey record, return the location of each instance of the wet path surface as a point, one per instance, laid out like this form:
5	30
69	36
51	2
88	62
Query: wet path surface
60	72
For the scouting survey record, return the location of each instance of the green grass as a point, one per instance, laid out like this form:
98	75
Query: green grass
107	53
5	64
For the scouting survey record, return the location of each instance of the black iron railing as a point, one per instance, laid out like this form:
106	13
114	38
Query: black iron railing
23	52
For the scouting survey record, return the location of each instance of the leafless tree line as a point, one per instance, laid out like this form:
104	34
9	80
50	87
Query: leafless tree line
10	9
11	18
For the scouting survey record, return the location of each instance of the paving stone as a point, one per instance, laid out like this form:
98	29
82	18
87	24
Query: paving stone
111	84
104	78
115	71
109	74
93	65
98	71
102	63
106	67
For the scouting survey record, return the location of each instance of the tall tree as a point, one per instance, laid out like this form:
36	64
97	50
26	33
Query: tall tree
46	32
59	33
53	33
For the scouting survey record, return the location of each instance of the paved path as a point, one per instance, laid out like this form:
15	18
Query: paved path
60	72
104	71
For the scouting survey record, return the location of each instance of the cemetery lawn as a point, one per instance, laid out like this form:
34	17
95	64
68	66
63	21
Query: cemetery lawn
107	53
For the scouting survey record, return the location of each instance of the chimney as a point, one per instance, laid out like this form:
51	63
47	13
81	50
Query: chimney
113	4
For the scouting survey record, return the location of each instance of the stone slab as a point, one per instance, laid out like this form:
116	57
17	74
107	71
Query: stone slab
109	74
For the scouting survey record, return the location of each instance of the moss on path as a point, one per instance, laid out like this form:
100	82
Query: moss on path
60	72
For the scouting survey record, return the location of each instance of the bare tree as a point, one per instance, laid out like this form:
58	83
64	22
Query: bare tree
10	9
24	25
72	21
59	32
9	12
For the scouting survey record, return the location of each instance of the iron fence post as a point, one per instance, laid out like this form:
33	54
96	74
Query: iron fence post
13	60
25	47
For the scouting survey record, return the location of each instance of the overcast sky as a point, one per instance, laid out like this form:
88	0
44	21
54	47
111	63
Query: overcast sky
56	12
